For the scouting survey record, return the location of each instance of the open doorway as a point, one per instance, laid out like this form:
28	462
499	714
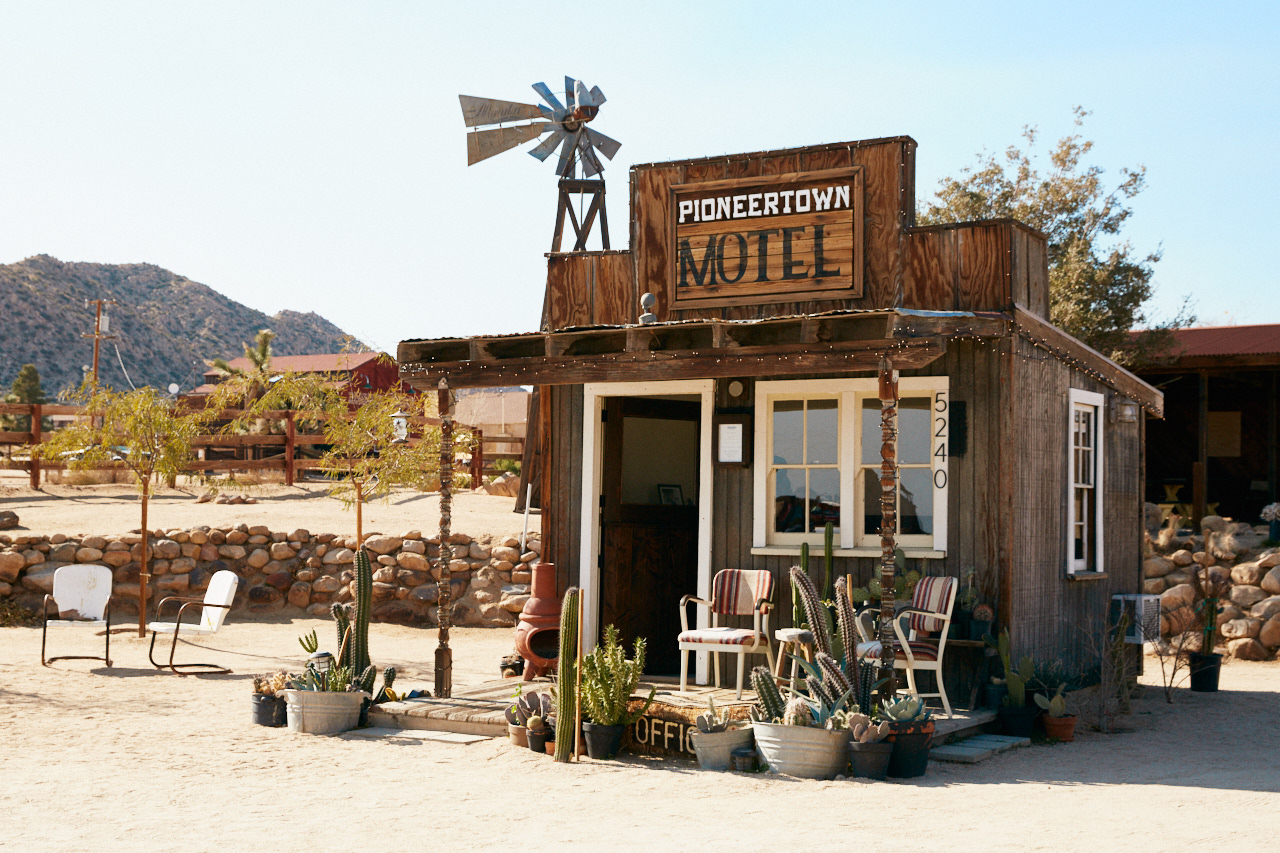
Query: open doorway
650	479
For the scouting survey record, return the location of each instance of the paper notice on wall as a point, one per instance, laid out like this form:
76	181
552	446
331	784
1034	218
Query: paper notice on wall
731	442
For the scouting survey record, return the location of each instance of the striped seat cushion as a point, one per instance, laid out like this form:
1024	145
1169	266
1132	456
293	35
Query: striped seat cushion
932	594
920	650
734	592
720	636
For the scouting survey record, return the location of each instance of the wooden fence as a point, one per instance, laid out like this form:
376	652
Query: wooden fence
287	453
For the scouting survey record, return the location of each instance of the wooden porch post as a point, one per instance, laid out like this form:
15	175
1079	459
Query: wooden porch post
888	518
36	416
1200	470
289	438
444	588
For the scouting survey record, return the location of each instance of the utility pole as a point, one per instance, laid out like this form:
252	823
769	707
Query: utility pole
101	325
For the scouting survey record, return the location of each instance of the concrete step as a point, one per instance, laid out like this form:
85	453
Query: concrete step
977	748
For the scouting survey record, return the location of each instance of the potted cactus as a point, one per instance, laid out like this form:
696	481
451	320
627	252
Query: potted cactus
608	680
540	733
1058	723
802	736
1206	665
717	737
983	617
911	733
526	705
1015	714
268	702
869	752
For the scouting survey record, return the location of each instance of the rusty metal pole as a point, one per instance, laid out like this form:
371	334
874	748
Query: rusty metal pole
444	655
888	518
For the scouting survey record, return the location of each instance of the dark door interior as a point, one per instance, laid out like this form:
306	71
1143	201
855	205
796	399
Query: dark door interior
649	522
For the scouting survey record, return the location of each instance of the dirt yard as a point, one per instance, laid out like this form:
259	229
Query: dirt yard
134	759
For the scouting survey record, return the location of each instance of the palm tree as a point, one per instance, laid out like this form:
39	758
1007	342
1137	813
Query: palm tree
257	378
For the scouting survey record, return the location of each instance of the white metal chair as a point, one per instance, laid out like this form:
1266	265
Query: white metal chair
214	606
82	595
734	592
930	610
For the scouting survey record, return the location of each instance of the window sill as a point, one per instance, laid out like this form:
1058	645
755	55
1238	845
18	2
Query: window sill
1086	576
794	551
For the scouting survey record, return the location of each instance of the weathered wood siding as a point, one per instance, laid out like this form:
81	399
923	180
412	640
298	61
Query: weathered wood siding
976	266
1053	618
562	505
590	289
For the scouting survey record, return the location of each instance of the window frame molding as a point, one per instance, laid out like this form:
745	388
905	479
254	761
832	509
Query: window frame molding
1098	402
850	393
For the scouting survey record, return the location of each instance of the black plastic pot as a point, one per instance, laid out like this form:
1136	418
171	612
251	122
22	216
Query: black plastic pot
1205	669
538	740
910	755
268	710
978	628
603	742
1017	721
995	694
870	760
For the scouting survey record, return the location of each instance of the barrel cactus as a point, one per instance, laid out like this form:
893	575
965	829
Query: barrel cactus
770	705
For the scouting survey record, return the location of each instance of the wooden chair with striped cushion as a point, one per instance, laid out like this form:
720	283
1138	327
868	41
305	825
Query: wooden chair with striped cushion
930	611
734	592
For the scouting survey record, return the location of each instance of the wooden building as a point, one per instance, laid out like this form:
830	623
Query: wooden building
737	421
1215	451
354	372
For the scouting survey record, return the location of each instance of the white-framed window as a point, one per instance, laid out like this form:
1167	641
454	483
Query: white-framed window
817	459
1084	476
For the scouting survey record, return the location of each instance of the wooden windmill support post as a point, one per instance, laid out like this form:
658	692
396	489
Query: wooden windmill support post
444	654
888	519
581	230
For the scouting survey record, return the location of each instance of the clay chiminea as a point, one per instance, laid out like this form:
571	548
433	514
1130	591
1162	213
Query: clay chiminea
538	634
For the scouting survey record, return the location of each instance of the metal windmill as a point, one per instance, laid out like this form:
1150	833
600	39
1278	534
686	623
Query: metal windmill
566	124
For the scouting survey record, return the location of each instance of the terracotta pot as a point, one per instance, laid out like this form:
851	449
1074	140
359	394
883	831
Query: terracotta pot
519	735
1061	728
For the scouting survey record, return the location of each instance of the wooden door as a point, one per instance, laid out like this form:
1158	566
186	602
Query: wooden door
649	522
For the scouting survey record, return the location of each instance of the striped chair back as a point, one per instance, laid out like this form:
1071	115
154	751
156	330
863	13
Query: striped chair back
936	594
734	592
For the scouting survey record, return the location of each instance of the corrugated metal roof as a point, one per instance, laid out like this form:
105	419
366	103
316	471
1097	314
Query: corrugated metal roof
1227	340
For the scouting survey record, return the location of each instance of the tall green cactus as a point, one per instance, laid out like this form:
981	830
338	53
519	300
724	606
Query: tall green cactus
828	559
797	609
363	607
769	697
566	695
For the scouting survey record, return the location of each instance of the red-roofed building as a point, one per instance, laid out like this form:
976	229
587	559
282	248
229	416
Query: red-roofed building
1215	450
356	371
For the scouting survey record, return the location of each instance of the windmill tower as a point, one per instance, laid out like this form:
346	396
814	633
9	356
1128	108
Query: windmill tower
566	124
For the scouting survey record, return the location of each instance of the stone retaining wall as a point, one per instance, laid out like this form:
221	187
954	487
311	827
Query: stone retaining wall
287	572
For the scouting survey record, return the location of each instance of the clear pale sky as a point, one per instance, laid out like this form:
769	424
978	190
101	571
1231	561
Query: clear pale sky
312	156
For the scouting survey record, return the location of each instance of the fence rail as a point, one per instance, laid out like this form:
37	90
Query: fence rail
284	453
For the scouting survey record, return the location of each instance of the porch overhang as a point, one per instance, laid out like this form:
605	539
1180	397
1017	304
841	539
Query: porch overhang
835	342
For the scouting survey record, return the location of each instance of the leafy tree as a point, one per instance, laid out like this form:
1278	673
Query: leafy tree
140	430
363	459
1098	283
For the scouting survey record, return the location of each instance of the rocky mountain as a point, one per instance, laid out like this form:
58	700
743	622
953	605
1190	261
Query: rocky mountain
167	325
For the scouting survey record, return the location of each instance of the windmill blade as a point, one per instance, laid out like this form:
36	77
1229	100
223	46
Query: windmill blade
543	150
543	90
604	144
478	111
590	162
597	97
483	144
565	166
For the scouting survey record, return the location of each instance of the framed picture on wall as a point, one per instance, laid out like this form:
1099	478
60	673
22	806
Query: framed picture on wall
670	494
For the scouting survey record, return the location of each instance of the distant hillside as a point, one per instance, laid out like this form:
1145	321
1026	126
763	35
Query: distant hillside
167	325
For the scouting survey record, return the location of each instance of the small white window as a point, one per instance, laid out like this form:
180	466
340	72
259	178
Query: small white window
1084	475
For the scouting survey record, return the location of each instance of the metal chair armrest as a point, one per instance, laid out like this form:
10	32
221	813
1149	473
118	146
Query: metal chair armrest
177	598
684	614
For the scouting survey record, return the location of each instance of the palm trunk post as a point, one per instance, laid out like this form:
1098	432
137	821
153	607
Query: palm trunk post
444	654
888	519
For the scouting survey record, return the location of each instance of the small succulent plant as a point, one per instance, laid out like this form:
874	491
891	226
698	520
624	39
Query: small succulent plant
865	732
713	720
908	709
984	613
1056	706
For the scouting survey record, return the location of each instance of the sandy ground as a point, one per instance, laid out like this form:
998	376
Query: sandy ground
130	758
117	509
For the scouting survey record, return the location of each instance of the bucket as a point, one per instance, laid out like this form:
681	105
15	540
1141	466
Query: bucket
268	710
322	713
869	760
808	753
715	749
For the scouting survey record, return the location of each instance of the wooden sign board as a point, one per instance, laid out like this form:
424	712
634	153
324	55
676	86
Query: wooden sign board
754	240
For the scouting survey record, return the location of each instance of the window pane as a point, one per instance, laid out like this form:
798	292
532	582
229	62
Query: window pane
788	432
914	431
824	431
824	498
871	433
788	502
915	501
871	500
